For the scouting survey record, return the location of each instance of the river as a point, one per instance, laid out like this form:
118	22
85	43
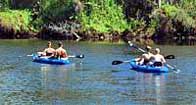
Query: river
93	80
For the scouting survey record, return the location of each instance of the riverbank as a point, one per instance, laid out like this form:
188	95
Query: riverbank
48	34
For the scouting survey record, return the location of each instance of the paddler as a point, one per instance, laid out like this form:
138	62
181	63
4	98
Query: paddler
145	58
49	51
158	59
61	52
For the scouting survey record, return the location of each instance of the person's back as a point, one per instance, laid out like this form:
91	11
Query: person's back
146	57
60	52
158	59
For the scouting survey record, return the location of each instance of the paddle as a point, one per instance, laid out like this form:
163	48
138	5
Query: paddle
119	62
142	50
70	56
169	56
76	56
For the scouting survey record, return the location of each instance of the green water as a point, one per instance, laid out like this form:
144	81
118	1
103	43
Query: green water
92	80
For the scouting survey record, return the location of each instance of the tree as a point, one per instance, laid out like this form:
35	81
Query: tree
4	4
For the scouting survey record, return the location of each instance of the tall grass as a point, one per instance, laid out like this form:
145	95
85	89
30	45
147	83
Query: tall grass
19	20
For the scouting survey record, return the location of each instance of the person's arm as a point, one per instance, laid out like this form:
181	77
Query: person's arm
45	50
56	53
65	53
42	53
163	59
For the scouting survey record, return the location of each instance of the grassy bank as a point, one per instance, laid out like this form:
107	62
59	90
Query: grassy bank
18	20
107	17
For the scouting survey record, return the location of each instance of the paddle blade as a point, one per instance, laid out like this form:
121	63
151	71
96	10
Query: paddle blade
30	55
169	57
76	56
80	56
117	62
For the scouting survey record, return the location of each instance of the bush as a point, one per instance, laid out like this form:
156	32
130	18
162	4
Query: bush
103	16
53	10
4	4
189	6
18	20
179	14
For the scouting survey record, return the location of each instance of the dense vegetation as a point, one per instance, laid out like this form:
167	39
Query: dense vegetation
103	17
142	18
19	20
4	4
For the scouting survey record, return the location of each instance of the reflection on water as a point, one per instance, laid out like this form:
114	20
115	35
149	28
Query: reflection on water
146	88
55	82
151	84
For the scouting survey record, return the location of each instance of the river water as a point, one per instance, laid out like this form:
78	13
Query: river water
93	80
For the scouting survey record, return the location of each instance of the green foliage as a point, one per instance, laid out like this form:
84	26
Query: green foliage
179	15
151	29
37	24
18	20
170	10
189	6
135	24
56	9
4	4
103	16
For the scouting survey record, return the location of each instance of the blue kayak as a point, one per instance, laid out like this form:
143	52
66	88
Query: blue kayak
46	60
148	68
